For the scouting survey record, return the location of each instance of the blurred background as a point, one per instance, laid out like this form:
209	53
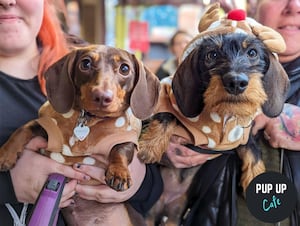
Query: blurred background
143	27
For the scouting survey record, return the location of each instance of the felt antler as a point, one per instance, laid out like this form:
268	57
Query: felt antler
210	16
271	38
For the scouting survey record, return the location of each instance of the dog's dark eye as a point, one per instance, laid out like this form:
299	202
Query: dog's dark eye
85	64
124	69
252	53
212	55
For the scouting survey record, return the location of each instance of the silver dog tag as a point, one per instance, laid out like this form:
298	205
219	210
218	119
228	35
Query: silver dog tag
81	131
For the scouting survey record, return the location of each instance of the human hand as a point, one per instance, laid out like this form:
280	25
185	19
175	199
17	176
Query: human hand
183	157
282	131
103	193
32	170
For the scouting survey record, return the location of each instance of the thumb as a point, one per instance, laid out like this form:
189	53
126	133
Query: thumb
36	143
260	122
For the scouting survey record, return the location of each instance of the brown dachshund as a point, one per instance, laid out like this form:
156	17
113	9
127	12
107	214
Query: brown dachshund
227	76
97	97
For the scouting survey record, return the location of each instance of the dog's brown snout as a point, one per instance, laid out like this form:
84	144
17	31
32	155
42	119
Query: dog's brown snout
235	83
103	97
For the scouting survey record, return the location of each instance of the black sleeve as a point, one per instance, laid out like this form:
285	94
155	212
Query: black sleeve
149	191
6	189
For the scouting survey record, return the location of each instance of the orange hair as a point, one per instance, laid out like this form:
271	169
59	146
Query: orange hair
52	38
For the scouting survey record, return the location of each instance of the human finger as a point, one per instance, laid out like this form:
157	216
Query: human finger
69	172
68	193
189	161
102	193
94	172
66	203
183	157
36	143
260	122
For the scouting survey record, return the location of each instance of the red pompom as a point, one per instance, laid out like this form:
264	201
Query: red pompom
237	14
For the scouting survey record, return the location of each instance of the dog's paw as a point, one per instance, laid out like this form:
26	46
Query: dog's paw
118	177
7	160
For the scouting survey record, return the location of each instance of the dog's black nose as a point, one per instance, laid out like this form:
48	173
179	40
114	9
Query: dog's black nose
235	83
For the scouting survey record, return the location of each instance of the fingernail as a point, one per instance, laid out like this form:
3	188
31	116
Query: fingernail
86	177
77	165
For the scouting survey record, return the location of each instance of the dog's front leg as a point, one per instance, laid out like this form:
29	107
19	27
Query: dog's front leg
117	174
12	149
155	138
252	162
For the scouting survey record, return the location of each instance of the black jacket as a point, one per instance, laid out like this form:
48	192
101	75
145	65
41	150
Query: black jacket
291	159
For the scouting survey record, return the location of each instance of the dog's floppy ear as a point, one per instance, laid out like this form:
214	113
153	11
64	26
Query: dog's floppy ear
145	94
59	84
276	85
185	86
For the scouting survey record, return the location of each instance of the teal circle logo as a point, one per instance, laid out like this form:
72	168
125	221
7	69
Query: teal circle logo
271	197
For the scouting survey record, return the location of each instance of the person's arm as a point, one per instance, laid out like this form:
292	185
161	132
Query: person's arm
25	180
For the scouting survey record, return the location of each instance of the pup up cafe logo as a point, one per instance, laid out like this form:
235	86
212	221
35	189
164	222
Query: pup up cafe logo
271	197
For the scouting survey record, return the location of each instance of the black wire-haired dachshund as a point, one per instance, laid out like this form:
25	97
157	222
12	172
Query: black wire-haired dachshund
212	99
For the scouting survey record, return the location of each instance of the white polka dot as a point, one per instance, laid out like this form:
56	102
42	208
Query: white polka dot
120	122
235	134
194	119
89	161
69	114
54	120
206	129
57	157
215	117
72	140
211	143
129	128
66	150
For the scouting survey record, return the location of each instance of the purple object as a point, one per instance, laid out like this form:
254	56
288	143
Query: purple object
45	212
